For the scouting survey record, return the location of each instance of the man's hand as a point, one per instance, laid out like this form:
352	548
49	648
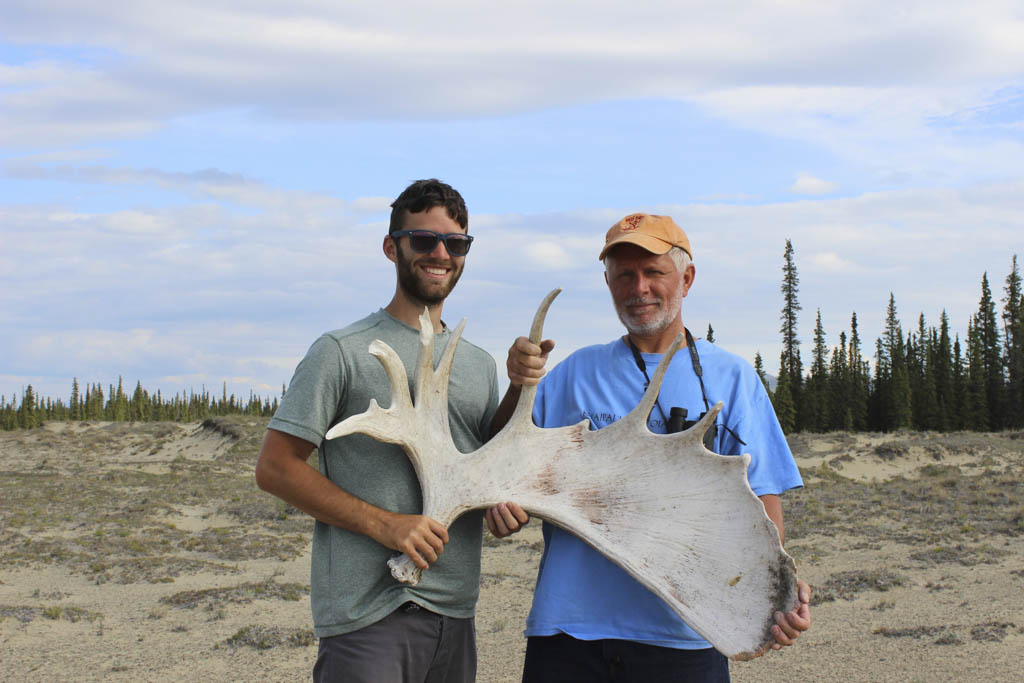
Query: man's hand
526	361
505	519
789	625
418	536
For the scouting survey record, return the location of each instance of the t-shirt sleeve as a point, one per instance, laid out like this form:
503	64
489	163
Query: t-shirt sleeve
772	469
310	404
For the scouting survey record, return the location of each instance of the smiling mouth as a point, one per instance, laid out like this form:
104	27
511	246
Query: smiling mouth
435	271
643	306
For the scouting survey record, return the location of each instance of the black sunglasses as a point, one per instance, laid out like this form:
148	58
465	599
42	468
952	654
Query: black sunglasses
424	241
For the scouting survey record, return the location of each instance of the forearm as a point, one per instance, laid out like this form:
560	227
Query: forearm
284	473
773	508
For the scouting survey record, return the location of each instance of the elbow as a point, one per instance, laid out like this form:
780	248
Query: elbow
261	478
264	474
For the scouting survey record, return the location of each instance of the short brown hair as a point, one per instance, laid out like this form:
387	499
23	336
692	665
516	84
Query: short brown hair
424	195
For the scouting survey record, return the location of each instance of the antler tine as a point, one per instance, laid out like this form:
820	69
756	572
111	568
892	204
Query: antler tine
425	360
395	370
444	368
639	414
401	402
524	407
705	423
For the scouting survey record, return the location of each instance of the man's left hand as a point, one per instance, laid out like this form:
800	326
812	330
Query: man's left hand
789	625
505	519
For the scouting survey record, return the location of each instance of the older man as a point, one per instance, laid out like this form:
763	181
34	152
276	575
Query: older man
590	620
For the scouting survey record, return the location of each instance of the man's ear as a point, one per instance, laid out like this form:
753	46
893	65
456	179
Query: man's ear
688	278
390	248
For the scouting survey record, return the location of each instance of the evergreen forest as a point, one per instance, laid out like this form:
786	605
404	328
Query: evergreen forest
917	378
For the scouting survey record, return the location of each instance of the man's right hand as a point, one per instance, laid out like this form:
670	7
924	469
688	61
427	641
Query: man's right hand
282	469
526	361
418	536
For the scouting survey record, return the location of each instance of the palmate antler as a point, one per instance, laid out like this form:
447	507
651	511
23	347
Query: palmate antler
678	518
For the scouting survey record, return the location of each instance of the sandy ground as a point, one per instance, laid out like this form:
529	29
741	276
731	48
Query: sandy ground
144	553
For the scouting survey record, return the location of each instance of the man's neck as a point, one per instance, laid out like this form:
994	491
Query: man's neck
409	312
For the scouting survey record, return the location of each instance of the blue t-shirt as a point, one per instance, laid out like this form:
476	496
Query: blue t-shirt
579	591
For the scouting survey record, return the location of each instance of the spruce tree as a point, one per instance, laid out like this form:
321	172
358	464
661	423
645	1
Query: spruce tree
840	413
120	403
942	372
27	412
975	405
860	378
920	357
711	335
958	418
893	405
782	399
790	341
1013	335
137	405
759	369
75	407
987	330
816	389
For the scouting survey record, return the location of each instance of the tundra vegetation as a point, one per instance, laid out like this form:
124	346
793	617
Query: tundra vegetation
145	551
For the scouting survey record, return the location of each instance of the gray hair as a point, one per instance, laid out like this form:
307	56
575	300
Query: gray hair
678	255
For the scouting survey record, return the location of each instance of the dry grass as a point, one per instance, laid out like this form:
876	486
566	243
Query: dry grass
117	534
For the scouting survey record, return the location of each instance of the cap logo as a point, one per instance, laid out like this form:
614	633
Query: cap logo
630	223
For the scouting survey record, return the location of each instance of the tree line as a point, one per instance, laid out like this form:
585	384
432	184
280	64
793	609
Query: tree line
920	378
915	379
118	406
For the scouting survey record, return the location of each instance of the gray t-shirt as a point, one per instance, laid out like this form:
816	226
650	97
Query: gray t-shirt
351	585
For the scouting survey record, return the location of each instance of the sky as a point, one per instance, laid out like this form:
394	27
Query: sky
191	192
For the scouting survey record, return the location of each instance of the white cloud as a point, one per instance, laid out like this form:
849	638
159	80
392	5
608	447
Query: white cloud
235	296
927	99
545	254
316	61
831	262
809	184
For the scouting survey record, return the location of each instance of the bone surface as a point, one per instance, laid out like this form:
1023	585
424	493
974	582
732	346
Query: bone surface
680	519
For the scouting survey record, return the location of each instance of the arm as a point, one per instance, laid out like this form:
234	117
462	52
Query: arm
788	625
283	471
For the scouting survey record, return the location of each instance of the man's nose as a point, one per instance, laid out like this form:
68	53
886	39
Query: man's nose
641	285
440	251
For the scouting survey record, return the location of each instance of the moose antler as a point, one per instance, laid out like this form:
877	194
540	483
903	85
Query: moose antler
680	519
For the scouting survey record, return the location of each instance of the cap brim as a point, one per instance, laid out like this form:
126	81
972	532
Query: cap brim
651	244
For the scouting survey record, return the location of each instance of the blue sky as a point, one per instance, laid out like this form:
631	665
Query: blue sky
191	192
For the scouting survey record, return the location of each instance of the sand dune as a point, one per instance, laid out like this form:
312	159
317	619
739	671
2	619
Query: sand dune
145	552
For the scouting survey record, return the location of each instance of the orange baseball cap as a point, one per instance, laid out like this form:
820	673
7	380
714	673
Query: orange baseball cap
656	234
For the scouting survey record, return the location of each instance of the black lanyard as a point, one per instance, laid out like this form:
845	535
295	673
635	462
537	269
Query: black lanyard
694	360
691	345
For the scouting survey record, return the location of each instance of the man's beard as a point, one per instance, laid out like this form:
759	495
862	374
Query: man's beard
666	314
428	292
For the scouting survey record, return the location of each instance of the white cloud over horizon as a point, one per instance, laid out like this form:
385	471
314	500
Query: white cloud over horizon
851	269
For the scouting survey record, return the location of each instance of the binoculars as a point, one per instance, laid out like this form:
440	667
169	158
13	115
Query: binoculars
677	422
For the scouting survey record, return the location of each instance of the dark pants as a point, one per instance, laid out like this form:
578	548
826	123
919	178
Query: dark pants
564	659
410	645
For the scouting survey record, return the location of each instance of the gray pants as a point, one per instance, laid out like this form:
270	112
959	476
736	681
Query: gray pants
410	645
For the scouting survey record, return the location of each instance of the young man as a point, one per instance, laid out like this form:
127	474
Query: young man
365	496
590	620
